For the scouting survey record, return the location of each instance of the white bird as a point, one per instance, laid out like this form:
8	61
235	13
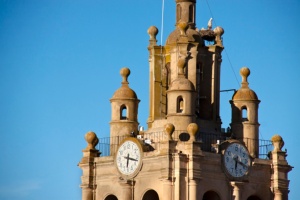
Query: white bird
209	24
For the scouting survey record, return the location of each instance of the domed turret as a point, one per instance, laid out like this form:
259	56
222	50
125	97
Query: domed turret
181	97
244	122
124	109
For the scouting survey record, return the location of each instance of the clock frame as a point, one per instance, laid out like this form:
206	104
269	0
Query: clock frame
128	158
236	160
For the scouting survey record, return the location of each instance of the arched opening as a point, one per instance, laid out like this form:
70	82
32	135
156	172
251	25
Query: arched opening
191	13
253	198
178	12
111	197
123	112
244	114
180	105
211	195
150	195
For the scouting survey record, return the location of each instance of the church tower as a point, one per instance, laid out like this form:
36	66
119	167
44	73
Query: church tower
184	154
202	68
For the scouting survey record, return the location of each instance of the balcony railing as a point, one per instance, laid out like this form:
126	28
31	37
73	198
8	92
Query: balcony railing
208	141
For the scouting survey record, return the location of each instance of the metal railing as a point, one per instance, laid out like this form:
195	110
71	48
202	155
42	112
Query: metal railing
208	141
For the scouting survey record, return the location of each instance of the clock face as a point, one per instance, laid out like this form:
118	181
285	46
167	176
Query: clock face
236	160
128	158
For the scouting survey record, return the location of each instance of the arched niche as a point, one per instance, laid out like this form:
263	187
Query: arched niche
123	112
244	114
211	195
150	195
180	104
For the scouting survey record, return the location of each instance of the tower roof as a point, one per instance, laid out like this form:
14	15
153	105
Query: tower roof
185	14
192	35
244	93
124	92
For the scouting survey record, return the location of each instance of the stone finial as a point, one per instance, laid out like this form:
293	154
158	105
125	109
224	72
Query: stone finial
125	72
183	26
169	129
277	142
152	31
92	140
219	31
192	130
245	72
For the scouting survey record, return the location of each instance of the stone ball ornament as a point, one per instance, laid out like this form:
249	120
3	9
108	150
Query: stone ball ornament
277	142
92	140
169	129
152	31
192	129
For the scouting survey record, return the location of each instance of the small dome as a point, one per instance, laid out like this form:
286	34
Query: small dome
124	92
244	94
182	84
193	36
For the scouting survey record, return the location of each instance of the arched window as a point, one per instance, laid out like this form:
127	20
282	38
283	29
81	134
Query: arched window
244	114
253	198
111	197
180	105
150	195
123	112
211	195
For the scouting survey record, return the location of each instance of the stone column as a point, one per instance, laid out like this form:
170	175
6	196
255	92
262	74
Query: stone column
237	190
167	188
193	189
87	192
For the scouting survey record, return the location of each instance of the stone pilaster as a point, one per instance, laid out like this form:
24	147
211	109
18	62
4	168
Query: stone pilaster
87	164
237	190
280	169
127	190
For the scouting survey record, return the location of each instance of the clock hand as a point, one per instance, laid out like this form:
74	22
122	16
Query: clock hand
241	163
132	159
127	159
236	161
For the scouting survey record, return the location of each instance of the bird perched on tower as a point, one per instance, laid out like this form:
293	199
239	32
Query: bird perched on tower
209	24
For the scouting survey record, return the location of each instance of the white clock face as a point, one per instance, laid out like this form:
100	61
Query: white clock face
236	160
128	158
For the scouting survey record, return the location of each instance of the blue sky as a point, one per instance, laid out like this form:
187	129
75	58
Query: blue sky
60	63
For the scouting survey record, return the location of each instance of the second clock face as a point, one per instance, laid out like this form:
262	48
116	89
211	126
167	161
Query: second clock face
128	158
236	160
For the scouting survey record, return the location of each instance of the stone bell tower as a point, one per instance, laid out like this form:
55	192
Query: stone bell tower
202	68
